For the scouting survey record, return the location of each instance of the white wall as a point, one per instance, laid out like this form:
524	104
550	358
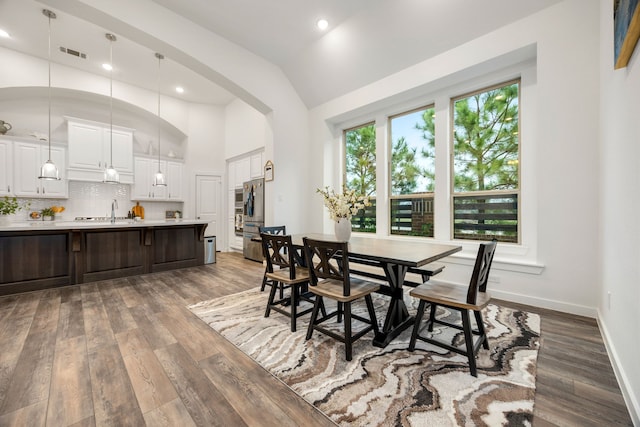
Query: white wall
619	237
204	148
557	265
245	129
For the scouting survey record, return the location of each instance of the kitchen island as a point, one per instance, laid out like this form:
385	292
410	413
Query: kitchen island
45	254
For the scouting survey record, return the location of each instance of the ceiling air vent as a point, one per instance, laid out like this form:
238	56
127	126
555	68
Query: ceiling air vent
73	52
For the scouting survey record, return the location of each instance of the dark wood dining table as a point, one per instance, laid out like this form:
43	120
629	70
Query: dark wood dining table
394	258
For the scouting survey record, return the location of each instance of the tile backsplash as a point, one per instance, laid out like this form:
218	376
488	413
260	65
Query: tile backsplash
91	199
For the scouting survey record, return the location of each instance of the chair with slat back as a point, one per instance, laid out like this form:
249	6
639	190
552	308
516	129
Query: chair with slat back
284	271
473	298
275	229
329	278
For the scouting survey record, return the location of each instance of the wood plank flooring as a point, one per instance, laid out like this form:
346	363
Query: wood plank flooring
127	352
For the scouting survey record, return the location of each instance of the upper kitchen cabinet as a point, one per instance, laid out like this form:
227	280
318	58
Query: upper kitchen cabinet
256	168
6	168
245	168
91	151
28	158
143	189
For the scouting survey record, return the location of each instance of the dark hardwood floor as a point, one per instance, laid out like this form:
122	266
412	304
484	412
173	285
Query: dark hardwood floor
127	352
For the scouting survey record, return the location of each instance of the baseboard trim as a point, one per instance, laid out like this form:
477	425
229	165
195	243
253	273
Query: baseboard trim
630	399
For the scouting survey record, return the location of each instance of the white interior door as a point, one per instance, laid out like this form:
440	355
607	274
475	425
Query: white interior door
209	205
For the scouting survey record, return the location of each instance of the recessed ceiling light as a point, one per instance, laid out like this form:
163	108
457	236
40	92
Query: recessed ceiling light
179	89
322	24
4	34
107	67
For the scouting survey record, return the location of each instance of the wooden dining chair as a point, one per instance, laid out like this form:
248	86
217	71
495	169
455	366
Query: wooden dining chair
329	278
275	229
474	298
280	253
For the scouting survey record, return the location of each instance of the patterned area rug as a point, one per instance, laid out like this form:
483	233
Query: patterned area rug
390	386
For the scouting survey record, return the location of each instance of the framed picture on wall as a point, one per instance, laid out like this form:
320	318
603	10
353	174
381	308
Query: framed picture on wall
626	30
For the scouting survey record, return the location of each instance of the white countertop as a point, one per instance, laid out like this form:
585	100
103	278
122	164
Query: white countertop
75	225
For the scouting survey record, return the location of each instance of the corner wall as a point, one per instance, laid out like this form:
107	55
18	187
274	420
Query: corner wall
619	203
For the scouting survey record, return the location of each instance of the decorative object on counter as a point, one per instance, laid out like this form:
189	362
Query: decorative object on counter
159	178
57	210
268	171
138	211
49	170
111	175
39	136
35	216
47	214
171	154
342	207
4	127
172	214
9	206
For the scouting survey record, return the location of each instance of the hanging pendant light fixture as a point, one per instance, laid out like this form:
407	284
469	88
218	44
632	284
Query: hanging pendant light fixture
49	170
159	178
111	175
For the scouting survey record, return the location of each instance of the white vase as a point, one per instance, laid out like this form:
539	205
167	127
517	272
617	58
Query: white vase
342	228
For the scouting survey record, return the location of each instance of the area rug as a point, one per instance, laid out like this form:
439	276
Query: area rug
390	386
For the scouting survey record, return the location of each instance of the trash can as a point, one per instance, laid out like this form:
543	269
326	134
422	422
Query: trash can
209	249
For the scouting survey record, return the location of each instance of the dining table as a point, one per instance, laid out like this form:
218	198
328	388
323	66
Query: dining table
394	258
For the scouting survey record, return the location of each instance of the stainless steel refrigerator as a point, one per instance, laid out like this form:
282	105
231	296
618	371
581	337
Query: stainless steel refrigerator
253	218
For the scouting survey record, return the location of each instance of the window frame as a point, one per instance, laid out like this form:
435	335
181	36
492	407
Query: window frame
389	152
452	193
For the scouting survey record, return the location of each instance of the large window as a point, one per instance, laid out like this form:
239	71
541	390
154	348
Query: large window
460	180
412	173
486	164
360	172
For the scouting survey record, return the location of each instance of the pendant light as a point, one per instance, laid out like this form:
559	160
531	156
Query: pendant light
159	178
111	175
49	170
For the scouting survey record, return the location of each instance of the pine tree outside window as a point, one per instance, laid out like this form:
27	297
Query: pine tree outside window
412	173
486	164
360	172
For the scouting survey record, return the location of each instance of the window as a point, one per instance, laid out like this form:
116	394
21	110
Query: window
412	173
486	164
360	172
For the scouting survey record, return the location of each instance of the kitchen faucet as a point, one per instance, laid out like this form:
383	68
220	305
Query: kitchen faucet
114	206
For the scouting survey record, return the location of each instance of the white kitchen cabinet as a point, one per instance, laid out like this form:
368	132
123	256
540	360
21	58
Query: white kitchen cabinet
143	188
243	171
90	151
6	168
175	172
28	159
256	166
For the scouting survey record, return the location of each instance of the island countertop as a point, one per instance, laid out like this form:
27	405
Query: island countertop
78	225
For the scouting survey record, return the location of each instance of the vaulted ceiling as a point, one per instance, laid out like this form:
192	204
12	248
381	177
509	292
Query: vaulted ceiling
366	39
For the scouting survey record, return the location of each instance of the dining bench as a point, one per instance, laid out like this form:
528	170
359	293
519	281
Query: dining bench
416	276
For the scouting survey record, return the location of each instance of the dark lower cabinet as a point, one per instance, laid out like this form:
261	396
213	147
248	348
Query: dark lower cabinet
108	254
30	261
33	260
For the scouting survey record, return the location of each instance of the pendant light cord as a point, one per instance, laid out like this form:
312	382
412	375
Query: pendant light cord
111	39
49	15
160	57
